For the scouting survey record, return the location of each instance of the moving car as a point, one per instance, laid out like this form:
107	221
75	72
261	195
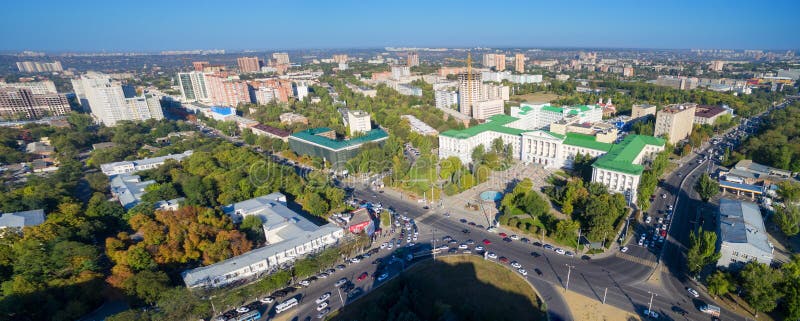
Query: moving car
624	249
341	282
693	292
324	297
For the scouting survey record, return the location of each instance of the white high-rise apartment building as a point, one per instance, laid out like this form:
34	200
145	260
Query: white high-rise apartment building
398	72
469	92
193	86
281	58
107	101
300	90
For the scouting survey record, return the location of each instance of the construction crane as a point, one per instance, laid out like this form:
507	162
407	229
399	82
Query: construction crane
468	61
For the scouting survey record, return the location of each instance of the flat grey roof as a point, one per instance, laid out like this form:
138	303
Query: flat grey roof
741	222
22	219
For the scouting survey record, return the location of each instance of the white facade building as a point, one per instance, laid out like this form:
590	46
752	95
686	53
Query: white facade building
193	86
358	121
289	237
445	99
108	103
128	167
487	108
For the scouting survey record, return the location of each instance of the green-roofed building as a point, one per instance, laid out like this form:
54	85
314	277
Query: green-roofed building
460	143
322	143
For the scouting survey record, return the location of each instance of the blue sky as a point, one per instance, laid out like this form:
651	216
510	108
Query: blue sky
145	25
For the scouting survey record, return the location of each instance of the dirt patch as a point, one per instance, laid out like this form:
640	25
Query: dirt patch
536	97
586	309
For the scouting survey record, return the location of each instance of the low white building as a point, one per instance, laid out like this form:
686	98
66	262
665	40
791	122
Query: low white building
127	167
419	126
289	236
742	236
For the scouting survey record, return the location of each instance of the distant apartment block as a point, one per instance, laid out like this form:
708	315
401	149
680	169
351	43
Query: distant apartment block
128	167
445	99
412	59
200	65
249	64
36	66
499	76
110	101
409	90
678	82
484	109
519	63
499	62
489	60
36	87
227	90
193	86
742	235
675	122
23	103
281	58
400	72
340	59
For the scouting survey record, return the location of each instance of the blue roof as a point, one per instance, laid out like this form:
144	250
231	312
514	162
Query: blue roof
744	187
225	111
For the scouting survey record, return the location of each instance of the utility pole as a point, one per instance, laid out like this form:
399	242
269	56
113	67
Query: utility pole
604	296
579	240
569	271
434	245
650	305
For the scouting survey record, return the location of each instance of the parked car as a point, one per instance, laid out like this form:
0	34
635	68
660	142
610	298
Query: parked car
362	276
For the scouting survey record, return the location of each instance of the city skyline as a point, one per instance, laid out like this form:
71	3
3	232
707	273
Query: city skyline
88	26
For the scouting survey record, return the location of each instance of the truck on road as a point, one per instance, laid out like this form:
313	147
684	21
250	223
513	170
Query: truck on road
710	309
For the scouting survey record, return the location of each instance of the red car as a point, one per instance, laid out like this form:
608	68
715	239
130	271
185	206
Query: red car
363	276
487	242
503	234
503	259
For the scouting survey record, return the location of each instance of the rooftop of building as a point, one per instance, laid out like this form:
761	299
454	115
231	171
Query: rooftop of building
22	219
495	123
586	141
312	136
128	189
272	130
741	222
678	108
293	229
621	156
706	111
145	161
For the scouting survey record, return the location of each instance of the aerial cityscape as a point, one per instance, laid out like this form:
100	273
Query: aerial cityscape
309	160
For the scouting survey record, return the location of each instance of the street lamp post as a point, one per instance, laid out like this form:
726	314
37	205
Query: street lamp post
569	271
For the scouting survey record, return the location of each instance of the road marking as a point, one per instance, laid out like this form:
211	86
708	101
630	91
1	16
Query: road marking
636	259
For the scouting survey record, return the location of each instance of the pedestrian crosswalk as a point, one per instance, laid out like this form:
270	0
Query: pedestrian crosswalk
636	259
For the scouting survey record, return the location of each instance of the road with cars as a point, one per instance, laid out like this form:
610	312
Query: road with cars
624	280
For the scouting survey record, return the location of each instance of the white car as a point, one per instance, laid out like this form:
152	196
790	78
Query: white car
663	195
341	282
479	248
242	309
693	292
323	298
322	275
463	247
390	246
491	255
624	249
382	277
522	271
322	306
304	283
267	300
384	245
516	265
641	242
355	260
514	237
648	220
560	251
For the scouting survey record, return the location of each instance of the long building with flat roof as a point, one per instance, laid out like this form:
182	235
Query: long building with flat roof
742	235
322	143
289	236
128	167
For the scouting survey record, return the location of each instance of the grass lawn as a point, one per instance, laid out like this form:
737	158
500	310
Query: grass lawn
456	288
